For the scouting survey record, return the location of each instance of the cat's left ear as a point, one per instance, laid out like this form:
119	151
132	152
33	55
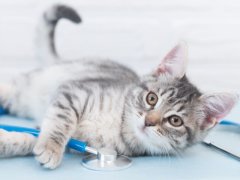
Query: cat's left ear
174	63
217	106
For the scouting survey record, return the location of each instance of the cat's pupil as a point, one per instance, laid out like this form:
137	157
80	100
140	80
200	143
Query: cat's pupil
175	121
152	99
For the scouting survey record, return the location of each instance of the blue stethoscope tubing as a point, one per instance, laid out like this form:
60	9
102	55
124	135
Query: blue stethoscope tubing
228	122
79	146
73	143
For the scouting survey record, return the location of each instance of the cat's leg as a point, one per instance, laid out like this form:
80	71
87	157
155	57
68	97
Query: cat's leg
16	144
13	143
58	126
13	97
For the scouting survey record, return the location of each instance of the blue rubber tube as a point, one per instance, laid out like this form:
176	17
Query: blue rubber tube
227	122
73	143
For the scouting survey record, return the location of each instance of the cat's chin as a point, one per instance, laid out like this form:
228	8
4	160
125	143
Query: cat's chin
143	130
143	140
153	143
147	131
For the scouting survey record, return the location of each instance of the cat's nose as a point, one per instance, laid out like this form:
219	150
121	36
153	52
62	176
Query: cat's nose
149	123
152	118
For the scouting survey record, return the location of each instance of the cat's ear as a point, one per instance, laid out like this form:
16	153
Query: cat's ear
174	63
216	107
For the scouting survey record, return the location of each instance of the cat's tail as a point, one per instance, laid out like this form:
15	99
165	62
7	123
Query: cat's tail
46	50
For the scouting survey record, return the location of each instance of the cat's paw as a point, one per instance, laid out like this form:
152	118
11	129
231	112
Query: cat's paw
48	154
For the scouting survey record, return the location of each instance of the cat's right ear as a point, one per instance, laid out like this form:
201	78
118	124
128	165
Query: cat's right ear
175	62
217	106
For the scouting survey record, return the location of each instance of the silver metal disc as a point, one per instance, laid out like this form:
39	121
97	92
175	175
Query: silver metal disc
92	162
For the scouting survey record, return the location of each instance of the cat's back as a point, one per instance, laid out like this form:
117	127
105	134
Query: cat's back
89	70
86	70
37	87
107	69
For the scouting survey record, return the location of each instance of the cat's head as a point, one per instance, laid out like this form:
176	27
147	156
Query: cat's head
165	113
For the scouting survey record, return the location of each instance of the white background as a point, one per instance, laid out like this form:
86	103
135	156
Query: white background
135	32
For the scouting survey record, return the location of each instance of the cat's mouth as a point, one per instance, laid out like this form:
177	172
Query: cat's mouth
148	131
144	130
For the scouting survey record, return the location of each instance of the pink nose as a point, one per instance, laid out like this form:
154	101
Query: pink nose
150	121
152	118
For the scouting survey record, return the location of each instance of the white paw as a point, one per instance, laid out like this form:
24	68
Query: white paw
49	155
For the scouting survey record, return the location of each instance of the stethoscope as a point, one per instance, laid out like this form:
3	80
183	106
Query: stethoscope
102	159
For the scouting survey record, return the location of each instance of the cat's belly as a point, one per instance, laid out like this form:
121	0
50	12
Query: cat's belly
102	130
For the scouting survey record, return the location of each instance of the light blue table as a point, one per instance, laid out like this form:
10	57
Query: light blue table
199	162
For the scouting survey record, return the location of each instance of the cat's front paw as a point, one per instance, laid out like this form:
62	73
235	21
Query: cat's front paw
48	154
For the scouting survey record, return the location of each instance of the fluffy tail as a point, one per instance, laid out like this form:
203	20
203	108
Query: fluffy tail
46	50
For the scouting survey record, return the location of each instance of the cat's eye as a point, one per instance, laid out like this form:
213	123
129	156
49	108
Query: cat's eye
152	98
175	121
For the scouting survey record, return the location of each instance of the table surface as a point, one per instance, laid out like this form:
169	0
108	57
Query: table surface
198	162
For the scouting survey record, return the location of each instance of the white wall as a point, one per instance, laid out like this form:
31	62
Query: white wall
135	32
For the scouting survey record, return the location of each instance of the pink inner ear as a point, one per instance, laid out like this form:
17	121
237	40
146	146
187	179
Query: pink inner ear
161	69
174	62
209	123
172	54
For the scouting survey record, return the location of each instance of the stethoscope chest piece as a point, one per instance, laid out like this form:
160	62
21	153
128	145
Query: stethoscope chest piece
106	160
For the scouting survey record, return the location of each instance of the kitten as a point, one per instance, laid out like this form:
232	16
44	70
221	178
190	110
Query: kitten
107	104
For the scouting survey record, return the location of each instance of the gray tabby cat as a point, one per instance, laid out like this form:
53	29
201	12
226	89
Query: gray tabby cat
107	104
